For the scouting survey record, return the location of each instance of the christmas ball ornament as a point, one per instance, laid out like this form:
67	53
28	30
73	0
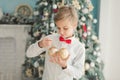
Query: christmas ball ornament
81	23
89	28
52	51
36	64
63	53
28	72
36	34
55	10
95	53
90	7
41	3
94	37
97	48
88	33
95	21
85	34
1	14
45	3
97	41
85	11
98	60
84	27
92	64
83	18
54	6
46	13
87	66
90	16
99	53
52	25
36	13
82	6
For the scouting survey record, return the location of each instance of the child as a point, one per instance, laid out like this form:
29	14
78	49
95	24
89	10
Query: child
57	68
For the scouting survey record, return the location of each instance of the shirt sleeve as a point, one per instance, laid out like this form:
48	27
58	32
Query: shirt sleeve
76	70
34	50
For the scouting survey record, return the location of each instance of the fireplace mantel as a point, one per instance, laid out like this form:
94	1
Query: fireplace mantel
12	50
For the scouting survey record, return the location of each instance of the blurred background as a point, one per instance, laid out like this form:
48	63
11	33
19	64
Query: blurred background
16	31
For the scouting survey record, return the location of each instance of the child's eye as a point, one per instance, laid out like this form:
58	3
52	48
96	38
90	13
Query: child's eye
58	28
65	28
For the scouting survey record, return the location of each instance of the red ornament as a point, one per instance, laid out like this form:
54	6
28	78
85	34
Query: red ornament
84	27
55	10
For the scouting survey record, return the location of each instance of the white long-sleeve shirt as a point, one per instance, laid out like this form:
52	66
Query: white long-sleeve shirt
75	63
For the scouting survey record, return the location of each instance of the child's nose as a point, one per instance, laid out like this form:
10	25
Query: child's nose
61	32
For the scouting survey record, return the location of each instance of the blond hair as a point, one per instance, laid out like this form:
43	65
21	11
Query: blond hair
66	12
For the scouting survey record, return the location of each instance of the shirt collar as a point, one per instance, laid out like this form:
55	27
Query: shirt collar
69	37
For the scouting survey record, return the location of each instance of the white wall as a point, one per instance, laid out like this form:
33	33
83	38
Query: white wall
110	37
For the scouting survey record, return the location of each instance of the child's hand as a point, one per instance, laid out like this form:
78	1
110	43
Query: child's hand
56	58
46	42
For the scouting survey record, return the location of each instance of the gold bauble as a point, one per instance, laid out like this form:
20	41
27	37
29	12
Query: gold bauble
52	51
64	53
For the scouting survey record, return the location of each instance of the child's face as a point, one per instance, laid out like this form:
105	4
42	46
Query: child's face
65	28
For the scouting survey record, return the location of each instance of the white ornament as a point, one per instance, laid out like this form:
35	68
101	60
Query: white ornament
41	3
78	7
46	14
97	41
98	60
83	18
94	37
95	53
85	34
95	21
82	6
36	64
1	14
45	3
89	33
54	6
90	16
85	10
99	53
92	64
87	66
36	33
97	48
52	25
81	23
36	13
89	28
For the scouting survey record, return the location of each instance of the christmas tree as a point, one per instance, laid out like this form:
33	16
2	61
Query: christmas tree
44	25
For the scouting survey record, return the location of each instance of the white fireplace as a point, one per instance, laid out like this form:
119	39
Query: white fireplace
12	50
